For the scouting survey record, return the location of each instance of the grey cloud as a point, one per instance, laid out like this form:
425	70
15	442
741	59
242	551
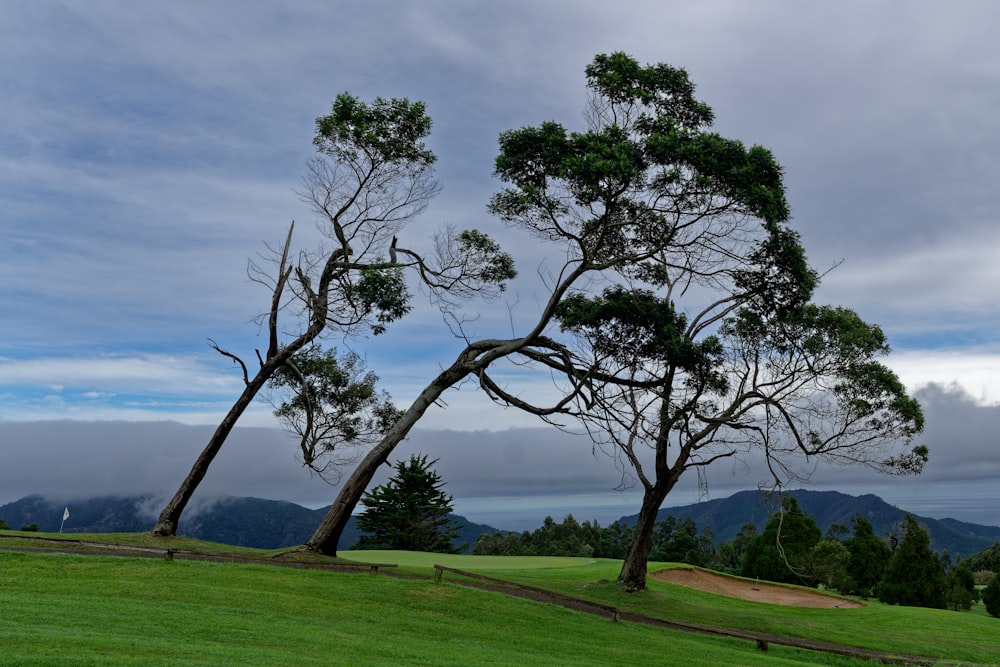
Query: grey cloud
80	459
876	128
83	459
516	462
962	435
148	153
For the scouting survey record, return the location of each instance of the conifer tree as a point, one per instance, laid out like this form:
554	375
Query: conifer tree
869	556
914	577
409	512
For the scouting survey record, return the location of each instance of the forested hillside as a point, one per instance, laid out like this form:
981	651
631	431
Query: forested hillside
725	516
249	522
272	524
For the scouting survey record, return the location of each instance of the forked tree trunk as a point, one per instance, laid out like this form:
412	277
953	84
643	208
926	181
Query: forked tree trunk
633	573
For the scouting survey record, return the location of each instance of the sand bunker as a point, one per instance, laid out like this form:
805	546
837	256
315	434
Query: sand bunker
747	590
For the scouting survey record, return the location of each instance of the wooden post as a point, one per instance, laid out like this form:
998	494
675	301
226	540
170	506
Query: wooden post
437	573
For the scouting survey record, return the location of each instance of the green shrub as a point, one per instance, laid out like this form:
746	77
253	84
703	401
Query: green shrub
991	597
30	528
960	592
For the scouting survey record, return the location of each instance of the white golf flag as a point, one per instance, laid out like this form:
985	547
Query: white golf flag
65	514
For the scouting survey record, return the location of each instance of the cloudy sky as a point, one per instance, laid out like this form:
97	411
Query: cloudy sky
148	150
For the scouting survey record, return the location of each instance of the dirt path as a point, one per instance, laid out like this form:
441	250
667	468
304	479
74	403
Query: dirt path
747	590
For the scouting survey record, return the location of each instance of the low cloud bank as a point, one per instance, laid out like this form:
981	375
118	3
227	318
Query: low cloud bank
510	473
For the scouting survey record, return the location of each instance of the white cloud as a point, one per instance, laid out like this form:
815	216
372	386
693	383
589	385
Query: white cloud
973	371
169	373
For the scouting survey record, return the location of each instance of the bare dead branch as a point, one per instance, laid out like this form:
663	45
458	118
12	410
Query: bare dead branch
236	359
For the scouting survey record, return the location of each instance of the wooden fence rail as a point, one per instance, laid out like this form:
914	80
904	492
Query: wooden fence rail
760	639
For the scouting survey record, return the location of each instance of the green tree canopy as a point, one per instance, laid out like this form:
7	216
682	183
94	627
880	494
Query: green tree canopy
914	576
987	559
679	542
869	557
409	512
828	562
781	553
333	404
960	589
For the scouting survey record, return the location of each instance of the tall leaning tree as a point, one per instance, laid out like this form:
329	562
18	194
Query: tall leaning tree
372	175
580	194
703	343
557	182
708	346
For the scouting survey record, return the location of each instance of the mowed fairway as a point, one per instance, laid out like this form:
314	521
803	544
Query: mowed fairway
65	609
418	559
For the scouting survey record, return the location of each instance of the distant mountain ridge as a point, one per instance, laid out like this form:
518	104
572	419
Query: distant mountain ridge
273	524
248	522
725	516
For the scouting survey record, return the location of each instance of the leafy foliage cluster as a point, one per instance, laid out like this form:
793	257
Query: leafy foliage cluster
782	552
673	541
915	575
333	404
988	559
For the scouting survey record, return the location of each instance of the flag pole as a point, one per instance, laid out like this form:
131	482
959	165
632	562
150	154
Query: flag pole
65	516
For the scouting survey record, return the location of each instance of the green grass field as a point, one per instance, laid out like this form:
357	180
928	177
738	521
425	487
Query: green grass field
71	609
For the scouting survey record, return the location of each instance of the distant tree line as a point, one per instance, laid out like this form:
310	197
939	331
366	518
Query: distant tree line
673	541
28	528
899	568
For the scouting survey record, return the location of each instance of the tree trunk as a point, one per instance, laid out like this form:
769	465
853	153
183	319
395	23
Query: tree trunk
633	573
327	535
166	525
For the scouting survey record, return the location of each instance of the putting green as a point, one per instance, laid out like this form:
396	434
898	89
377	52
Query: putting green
463	561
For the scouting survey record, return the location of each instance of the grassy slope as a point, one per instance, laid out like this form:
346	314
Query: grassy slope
75	610
972	637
